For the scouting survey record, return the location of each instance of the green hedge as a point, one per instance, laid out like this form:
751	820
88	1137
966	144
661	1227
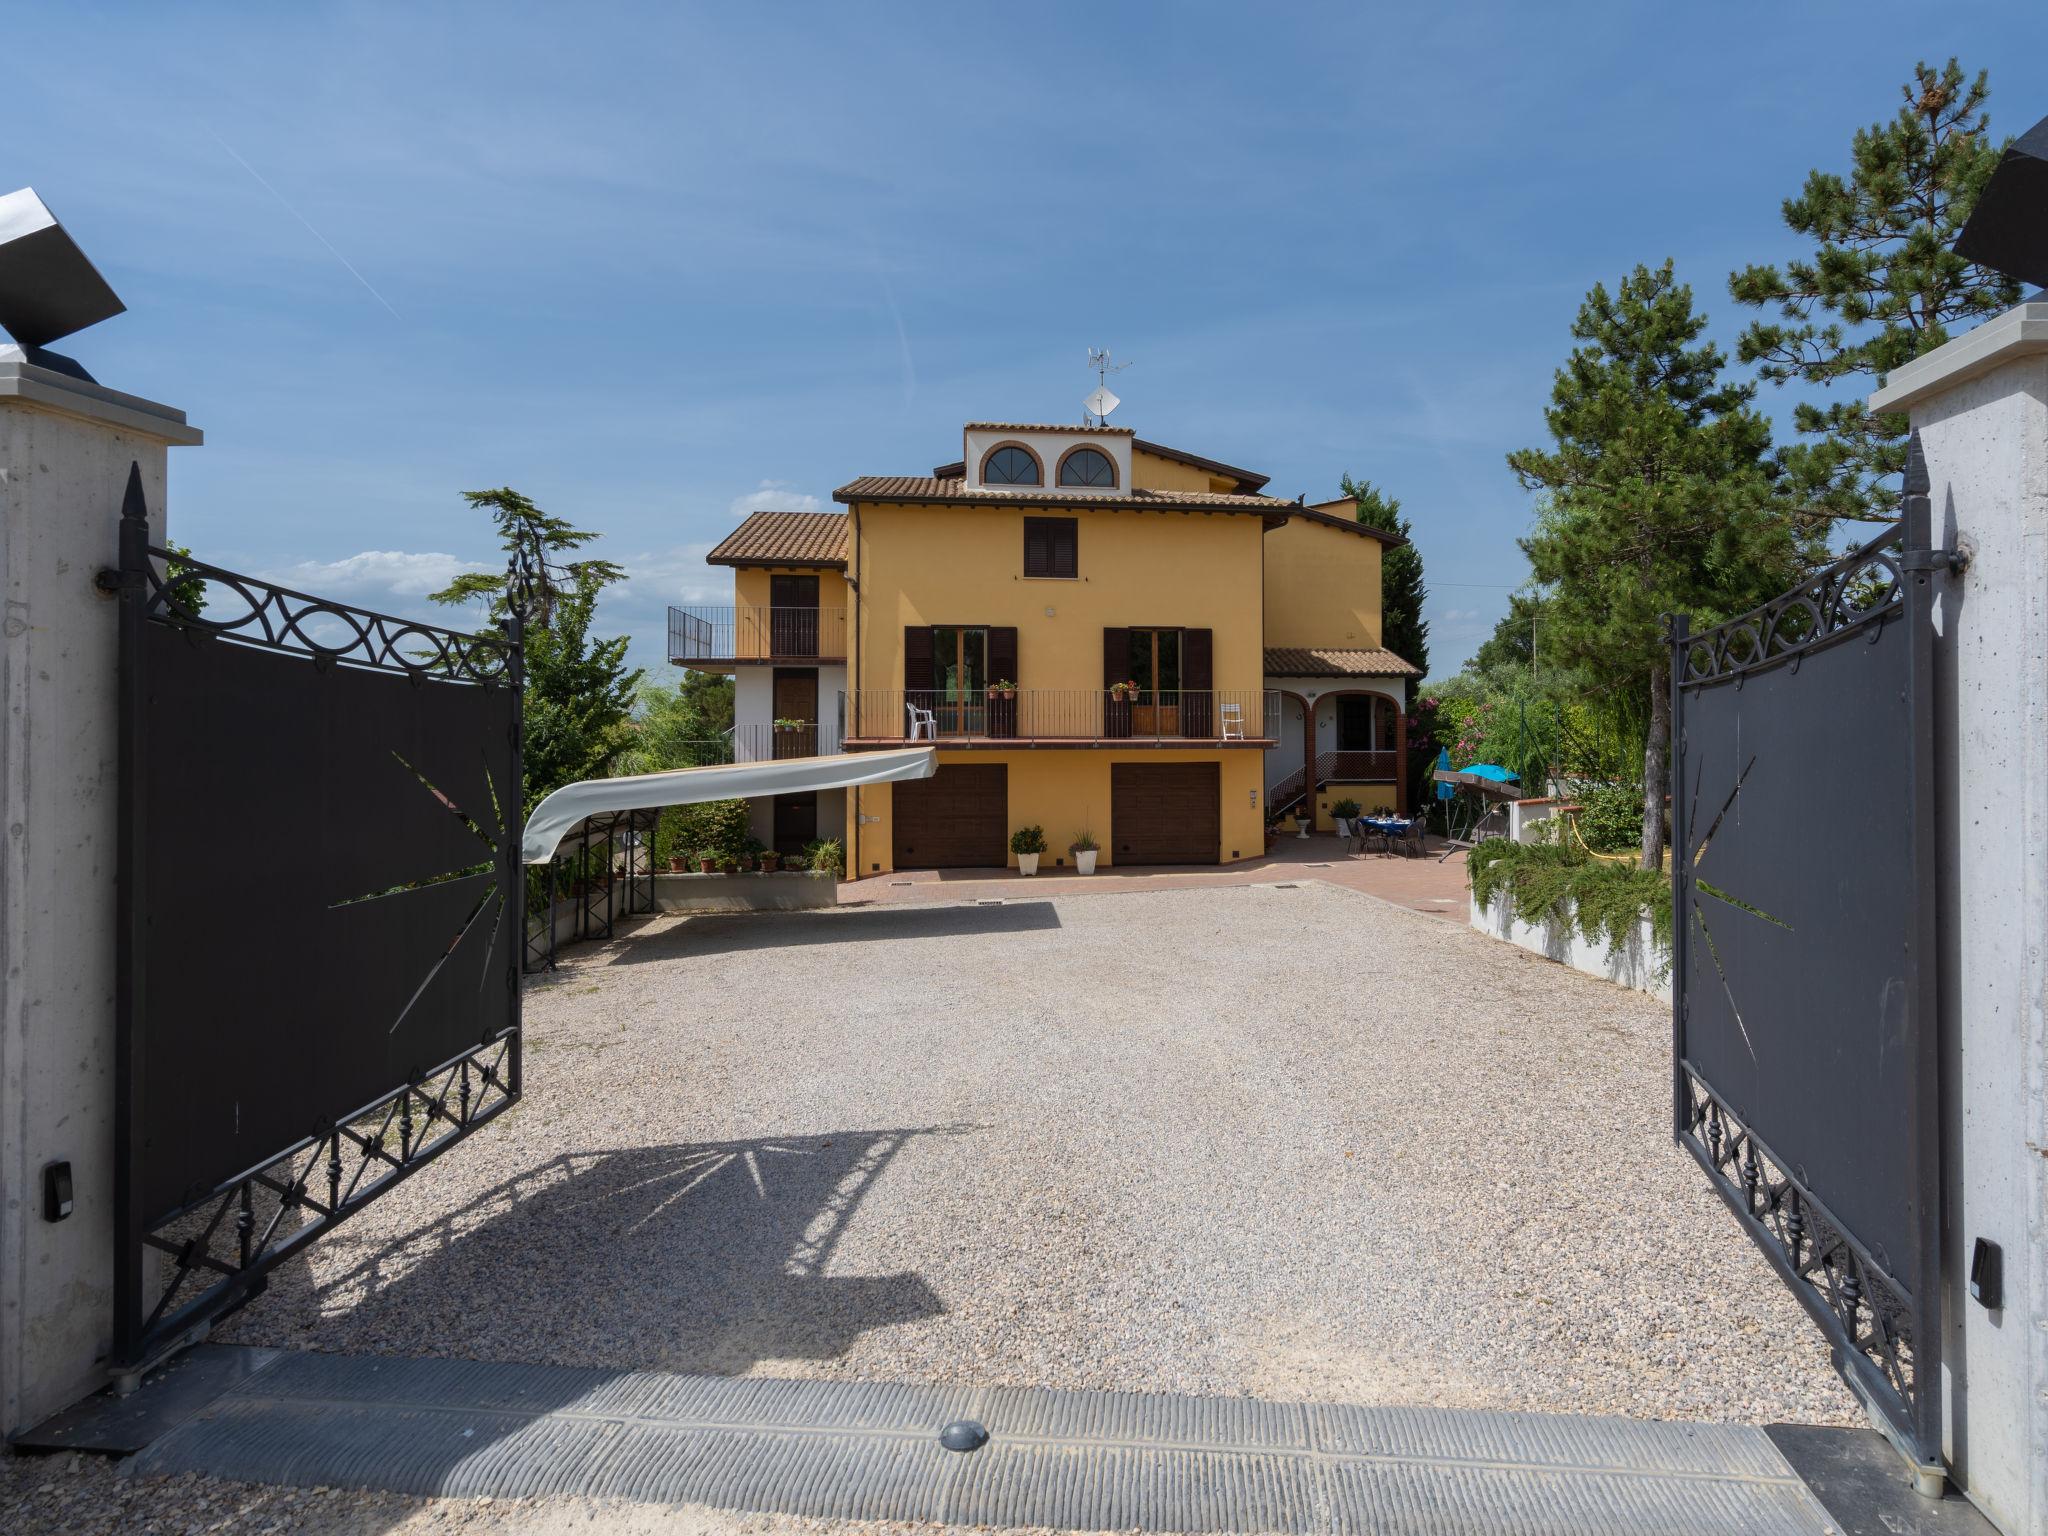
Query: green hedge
1546	882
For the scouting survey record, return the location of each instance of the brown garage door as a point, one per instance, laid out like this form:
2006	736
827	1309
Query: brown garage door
1165	813
957	819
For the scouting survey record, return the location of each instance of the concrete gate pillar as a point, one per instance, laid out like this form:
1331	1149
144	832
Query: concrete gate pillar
66	445
1980	404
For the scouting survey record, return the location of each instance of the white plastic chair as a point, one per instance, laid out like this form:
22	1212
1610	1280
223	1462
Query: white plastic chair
924	725
1233	722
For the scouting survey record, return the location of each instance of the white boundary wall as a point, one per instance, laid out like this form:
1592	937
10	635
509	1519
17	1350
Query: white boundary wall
1642	965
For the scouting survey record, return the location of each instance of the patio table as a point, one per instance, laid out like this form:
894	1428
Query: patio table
1388	827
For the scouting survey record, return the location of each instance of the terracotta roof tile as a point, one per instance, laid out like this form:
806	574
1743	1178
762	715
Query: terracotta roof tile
931	488
784	538
1324	661
1347	524
1249	482
1040	426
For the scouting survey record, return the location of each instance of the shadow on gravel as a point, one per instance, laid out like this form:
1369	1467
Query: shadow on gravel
718	934
699	1257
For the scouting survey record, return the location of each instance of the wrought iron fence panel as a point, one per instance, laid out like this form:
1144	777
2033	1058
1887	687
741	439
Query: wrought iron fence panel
1803	1027
319	920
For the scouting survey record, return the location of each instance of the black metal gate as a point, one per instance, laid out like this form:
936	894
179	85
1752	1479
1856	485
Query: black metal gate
1803	1001
320	921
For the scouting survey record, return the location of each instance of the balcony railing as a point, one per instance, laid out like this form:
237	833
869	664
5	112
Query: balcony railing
762	744
700	634
1357	767
1055	715
766	744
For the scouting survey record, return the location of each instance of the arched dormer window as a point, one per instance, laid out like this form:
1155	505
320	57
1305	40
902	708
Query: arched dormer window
1088	468
1011	465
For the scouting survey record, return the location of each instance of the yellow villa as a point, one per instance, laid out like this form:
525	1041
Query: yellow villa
1100	634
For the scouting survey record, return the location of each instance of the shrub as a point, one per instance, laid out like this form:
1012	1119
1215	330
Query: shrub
1345	808
827	856
1611	818
1028	840
1550	882
716	829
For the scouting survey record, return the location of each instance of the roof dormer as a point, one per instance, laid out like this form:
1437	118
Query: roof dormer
1087	461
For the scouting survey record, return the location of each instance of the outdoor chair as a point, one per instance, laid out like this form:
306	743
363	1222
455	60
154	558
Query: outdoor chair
1232	716
924	724
1412	844
1364	835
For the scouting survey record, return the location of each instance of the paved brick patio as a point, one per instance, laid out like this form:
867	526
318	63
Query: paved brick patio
1424	884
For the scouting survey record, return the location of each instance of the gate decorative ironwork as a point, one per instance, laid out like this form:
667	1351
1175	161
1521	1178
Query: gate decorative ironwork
1803	1018
289	1047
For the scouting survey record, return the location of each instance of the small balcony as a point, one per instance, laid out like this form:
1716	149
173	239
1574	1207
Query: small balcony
1044	717
763	744
718	639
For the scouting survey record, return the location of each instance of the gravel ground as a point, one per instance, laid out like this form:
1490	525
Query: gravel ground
1291	1143
1288	1143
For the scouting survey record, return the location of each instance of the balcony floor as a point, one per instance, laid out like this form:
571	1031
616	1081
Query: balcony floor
1022	743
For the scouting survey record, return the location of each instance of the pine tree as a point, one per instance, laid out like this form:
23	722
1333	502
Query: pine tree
579	690
1403	630
1659	496
1885	278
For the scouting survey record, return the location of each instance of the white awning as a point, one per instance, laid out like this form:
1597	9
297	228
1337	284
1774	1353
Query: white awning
573	804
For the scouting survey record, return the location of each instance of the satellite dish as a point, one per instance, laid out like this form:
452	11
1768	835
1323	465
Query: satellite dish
1101	403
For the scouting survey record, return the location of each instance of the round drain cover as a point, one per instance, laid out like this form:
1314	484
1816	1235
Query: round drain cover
963	1435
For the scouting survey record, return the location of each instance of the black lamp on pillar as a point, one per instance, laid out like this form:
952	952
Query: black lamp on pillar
49	289
2008	229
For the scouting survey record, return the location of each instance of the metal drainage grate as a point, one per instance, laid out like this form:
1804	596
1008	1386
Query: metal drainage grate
844	1450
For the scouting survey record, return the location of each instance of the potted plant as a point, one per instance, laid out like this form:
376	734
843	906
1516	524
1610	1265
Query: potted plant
1084	848
1027	843
707	861
1342	812
785	727
750	853
1123	693
1303	820
677	864
769	859
1002	688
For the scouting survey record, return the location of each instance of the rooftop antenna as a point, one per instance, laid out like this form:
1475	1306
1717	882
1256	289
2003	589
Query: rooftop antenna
1101	402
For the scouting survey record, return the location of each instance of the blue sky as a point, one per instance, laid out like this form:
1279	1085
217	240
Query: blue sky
658	265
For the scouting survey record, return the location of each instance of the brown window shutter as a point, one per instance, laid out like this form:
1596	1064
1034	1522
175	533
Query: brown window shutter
1197	679
1002	654
1116	668
1116	656
1050	546
1064	535
1002	668
917	659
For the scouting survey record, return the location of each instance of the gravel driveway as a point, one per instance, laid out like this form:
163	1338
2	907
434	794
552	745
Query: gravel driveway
1293	1143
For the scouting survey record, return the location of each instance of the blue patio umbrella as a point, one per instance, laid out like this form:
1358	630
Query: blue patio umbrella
1443	760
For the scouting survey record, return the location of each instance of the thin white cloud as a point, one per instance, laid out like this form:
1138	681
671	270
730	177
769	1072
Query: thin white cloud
773	496
393	578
